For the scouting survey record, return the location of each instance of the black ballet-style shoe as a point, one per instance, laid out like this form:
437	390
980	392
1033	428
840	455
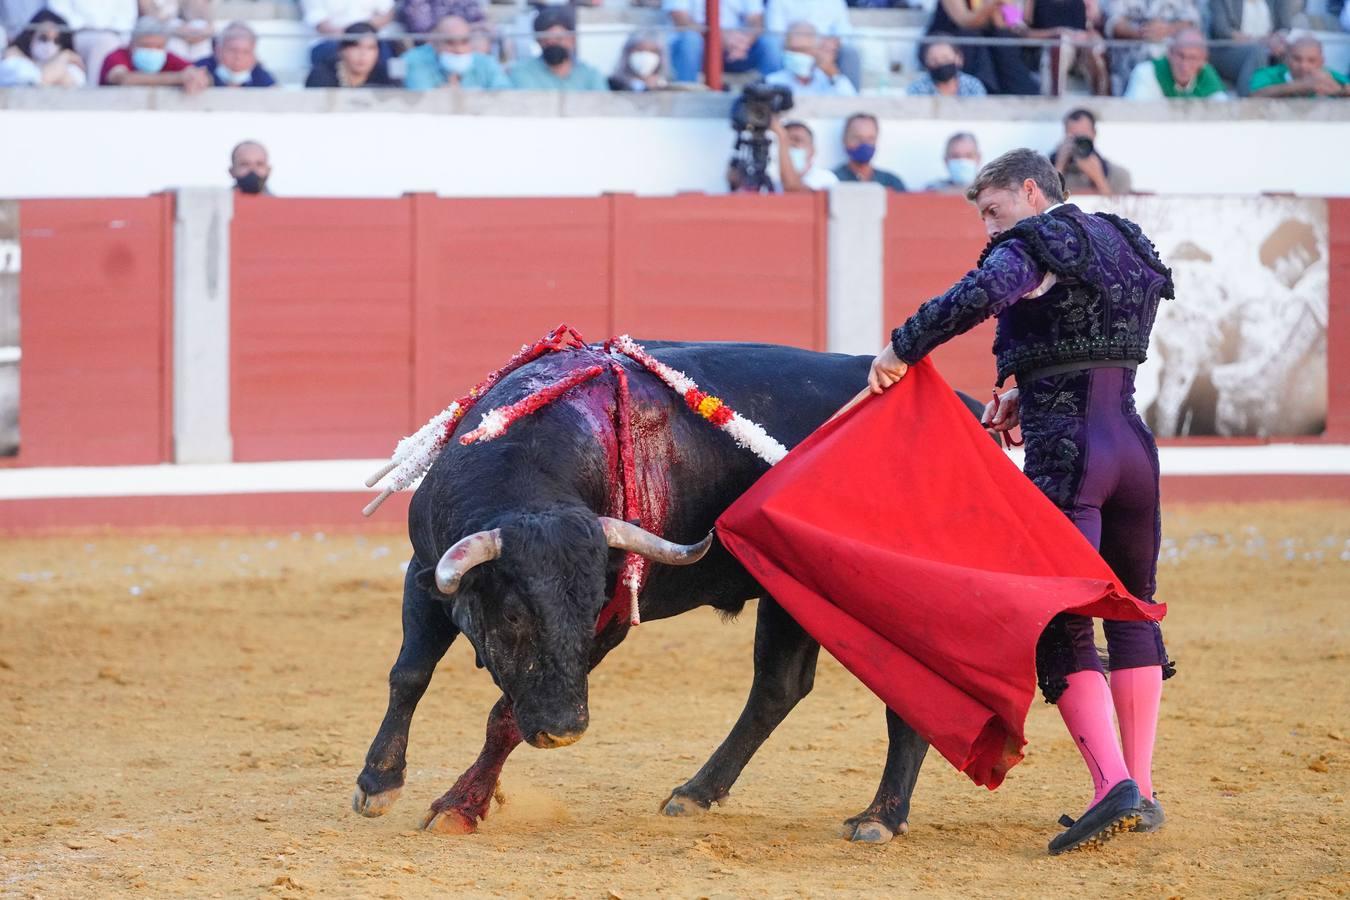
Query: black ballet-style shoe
1120	810
1150	815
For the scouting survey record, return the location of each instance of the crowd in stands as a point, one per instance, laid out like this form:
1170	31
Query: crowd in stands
1145	49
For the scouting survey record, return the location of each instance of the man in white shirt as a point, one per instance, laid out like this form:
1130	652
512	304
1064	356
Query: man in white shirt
797	169
809	69
830	18
742	36
100	28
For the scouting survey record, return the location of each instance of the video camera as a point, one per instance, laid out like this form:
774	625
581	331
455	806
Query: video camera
751	117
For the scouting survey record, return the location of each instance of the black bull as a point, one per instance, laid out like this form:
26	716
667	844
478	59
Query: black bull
531	611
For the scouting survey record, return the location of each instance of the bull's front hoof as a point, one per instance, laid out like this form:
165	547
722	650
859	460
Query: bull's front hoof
451	821
870	831
680	805
373	805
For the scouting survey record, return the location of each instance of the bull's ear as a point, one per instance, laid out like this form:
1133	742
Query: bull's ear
426	579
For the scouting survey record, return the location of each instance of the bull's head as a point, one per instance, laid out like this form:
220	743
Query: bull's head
531	615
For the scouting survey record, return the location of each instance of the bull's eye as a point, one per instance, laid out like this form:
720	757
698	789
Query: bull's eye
513	618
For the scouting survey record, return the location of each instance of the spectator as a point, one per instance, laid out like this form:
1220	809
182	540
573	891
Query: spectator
1002	68
797	167
1261	29
100	27
1151	22
942	74
250	168
861	131
743	45
332	18
448	60
1183	73
1079	22
43	55
146	62
235	62
423	16
642	65
809	68
830	18
357	64
188	23
1303	74
556	68
962	159
1085	171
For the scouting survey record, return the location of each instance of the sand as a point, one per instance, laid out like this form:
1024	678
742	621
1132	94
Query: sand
185	715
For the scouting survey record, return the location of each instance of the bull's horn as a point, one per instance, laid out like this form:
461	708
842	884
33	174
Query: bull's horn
474	550
626	536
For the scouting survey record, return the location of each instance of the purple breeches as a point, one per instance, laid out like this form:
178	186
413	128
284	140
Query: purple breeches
1090	453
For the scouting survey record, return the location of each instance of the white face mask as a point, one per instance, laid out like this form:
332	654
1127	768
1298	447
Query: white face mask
799	158
962	171
42	50
799	64
455	63
644	62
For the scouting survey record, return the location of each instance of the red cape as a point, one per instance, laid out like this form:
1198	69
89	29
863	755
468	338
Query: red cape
913	549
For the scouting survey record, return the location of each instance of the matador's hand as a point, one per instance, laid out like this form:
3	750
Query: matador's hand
887	369
1004	412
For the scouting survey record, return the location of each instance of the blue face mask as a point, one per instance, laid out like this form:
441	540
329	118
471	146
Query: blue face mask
961	170
455	63
229	76
862	153
798	157
149	59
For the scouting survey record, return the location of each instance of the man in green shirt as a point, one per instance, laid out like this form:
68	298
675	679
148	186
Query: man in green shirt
1184	72
1304	74
556	68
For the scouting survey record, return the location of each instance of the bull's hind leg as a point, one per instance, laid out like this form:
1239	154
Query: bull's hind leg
785	669
460	808
427	634
889	813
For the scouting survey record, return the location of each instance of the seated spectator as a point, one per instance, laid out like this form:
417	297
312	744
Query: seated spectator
942	74
1002	68
250	168
332	18
448	60
1086	171
1261	29
642	64
357	64
43	55
556	68
422	16
100	28
743	45
830	19
1183	73
1078	22
1152	22
797	167
146	62
235	62
188	22
962	159
861	132
809	68
1303	74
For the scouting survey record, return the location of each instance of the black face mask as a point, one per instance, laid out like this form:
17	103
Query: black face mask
252	183
555	55
944	72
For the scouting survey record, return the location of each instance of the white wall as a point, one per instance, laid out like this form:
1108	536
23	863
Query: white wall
394	146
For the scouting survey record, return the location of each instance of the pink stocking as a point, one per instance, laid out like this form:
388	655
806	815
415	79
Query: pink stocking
1086	708
1137	693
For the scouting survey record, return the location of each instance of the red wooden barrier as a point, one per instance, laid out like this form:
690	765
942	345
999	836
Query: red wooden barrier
95	295
1338	321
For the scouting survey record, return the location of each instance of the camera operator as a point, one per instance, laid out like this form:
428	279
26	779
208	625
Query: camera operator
1085	170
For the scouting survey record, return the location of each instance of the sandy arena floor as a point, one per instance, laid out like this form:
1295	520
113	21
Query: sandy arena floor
186	715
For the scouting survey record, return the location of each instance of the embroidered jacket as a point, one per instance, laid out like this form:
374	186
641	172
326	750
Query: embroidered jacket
1066	287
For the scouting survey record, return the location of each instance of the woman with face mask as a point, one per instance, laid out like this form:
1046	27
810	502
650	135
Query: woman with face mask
358	63
43	55
642	64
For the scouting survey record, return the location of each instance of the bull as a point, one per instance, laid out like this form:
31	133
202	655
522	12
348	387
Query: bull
516	548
